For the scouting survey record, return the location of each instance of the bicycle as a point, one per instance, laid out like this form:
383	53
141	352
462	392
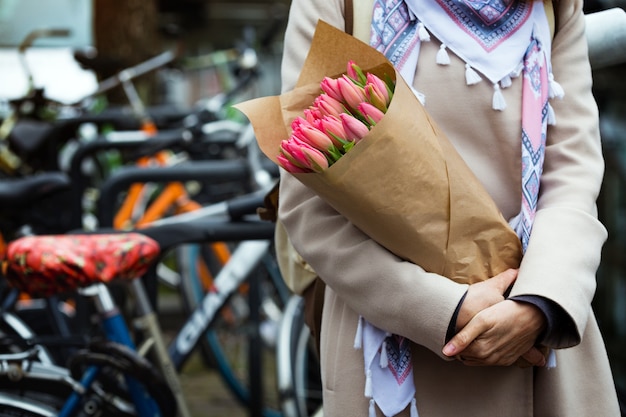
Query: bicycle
192	256
192	173
193	289
195	266
217	171
245	258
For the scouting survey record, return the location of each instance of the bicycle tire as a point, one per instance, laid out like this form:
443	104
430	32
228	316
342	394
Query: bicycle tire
224	345
298	367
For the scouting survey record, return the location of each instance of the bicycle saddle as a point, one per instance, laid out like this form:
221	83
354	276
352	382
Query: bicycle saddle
24	191
50	264
28	136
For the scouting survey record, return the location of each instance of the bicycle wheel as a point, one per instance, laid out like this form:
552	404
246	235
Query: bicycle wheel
24	396
20	406
226	344
46	393
298	368
43	396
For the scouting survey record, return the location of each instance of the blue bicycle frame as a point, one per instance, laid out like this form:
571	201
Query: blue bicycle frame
116	330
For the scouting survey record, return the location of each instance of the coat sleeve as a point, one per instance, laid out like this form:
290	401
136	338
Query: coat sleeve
392	294
564	250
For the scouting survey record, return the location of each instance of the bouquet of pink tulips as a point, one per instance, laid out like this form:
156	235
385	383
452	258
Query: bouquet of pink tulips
342	115
397	178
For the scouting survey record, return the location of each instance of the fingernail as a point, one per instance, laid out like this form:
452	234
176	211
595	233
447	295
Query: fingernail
449	350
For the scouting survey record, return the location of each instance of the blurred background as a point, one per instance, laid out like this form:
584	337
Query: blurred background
202	44
108	36
610	300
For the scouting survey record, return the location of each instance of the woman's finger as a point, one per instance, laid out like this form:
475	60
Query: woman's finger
505	279
465	337
535	357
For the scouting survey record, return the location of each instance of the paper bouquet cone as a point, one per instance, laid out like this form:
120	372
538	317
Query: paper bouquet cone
404	184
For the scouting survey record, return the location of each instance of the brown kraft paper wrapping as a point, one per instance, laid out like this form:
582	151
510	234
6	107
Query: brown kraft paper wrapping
404	184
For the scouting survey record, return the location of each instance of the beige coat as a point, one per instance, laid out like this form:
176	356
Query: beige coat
560	263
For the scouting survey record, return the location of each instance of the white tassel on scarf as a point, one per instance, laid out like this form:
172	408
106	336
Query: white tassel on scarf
506	82
498	102
372	409
414	408
442	55
422	33
556	91
471	76
358	337
384	359
368	384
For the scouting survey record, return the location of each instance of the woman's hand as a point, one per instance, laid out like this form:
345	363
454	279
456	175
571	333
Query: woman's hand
484	294
499	335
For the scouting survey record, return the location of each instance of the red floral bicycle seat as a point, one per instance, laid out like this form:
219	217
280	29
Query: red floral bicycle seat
45	265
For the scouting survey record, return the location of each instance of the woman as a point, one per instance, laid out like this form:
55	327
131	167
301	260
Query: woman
465	344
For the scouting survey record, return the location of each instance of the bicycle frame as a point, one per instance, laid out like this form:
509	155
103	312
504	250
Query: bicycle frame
174	197
244	259
115	330
255	238
32	364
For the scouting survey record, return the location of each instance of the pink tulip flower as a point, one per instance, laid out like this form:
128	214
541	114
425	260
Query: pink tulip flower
375	97
316	159
312	114
299	121
328	128
355	73
333	127
328	106
331	87
354	128
352	70
303	155
289	166
371	113
352	94
380	87
290	150
314	137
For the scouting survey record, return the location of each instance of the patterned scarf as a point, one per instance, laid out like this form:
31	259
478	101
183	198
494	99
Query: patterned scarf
498	40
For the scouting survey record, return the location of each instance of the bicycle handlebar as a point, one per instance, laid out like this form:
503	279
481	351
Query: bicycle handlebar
42	33
242	206
192	170
203	230
131	73
28	41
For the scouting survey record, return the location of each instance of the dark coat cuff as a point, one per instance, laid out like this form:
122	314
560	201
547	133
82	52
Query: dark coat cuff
560	329
452	325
